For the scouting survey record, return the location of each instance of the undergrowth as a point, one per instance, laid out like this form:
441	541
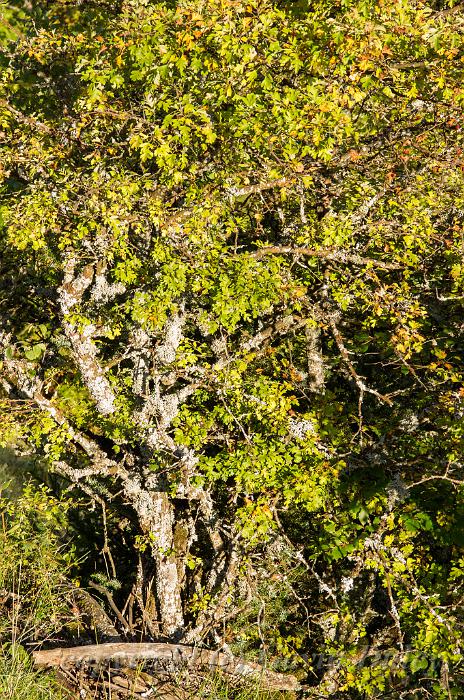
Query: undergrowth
33	566
35	606
19	681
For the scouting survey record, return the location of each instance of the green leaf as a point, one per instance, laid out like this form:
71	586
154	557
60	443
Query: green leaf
36	351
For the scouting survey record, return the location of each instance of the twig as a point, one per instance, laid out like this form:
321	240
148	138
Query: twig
437	477
300	558
394	612
106	551
346	359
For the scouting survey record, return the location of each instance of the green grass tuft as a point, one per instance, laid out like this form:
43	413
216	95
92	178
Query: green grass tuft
19	680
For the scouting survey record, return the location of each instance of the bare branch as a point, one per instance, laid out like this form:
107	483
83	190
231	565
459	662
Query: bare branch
105	629
104	591
314	359
30	387
166	353
330	254
346	359
33	122
260	187
102	290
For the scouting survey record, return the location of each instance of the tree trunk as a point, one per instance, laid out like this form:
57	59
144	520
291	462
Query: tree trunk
168	583
156	516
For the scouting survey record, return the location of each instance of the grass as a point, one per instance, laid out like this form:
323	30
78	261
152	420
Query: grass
19	681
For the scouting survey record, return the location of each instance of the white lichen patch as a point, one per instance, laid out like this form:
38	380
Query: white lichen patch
81	339
299	429
103	291
347	584
166	353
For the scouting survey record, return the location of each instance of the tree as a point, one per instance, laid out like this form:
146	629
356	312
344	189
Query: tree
231	289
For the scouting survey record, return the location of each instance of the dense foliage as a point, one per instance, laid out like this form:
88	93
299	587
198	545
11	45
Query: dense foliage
231	314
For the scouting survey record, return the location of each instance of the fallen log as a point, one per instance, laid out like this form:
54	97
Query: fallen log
164	658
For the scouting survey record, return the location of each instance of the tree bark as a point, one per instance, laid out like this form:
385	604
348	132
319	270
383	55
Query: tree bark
156	517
